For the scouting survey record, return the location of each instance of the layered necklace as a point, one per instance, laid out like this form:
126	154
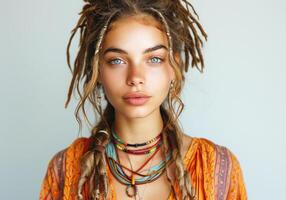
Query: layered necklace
154	172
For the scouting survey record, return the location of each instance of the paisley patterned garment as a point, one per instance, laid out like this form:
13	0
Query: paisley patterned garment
214	171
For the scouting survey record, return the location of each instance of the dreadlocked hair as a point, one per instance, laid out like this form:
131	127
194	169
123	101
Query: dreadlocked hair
95	18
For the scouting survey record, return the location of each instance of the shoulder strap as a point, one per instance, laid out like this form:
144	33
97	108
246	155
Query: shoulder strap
222	172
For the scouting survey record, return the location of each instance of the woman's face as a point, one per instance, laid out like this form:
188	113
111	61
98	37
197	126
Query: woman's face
134	58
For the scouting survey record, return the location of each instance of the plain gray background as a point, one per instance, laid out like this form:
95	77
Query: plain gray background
239	101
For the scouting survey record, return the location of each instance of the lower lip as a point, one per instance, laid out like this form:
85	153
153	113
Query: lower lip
137	101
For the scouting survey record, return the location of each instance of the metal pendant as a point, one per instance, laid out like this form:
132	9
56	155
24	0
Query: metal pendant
131	190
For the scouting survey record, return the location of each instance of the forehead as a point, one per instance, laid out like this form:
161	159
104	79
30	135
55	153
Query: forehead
142	31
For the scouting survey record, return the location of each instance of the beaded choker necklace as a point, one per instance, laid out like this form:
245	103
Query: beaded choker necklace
123	145
119	141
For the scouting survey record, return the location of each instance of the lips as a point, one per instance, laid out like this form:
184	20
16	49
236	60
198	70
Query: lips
135	95
136	99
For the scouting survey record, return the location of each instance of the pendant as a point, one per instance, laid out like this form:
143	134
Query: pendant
97	193
131	190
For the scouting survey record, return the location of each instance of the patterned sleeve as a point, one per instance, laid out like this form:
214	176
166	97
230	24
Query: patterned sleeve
52	184
237	189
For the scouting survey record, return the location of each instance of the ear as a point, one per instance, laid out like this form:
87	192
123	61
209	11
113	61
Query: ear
172	75
99	79
177	57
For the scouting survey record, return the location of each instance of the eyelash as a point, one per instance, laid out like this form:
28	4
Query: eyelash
161	60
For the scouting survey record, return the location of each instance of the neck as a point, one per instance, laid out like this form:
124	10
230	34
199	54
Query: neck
138	130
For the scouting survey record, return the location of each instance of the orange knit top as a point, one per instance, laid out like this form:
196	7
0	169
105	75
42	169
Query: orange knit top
214	170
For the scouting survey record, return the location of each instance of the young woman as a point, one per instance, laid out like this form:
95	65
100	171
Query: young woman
131	54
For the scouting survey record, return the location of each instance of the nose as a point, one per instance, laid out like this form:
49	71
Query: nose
135	75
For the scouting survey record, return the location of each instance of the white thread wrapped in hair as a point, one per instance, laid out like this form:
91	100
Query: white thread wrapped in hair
86	169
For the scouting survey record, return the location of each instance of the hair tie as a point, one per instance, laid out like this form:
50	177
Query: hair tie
99	148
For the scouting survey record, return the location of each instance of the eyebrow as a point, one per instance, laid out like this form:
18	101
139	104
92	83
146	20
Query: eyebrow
117	50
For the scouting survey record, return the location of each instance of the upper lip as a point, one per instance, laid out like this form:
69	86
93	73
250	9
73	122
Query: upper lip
135	95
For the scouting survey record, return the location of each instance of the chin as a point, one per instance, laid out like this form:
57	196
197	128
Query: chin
139	113
135	112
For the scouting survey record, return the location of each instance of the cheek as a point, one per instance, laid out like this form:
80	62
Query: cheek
111	78
112	82
158	81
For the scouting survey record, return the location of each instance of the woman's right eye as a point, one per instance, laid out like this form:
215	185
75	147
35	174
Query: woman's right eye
115	61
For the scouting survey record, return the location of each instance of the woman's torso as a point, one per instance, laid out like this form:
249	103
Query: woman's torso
213	169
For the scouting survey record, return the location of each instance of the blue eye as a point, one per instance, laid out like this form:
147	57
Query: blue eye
156	59
115	61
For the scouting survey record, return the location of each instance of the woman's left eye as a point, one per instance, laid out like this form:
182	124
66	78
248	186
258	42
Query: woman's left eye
156	60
